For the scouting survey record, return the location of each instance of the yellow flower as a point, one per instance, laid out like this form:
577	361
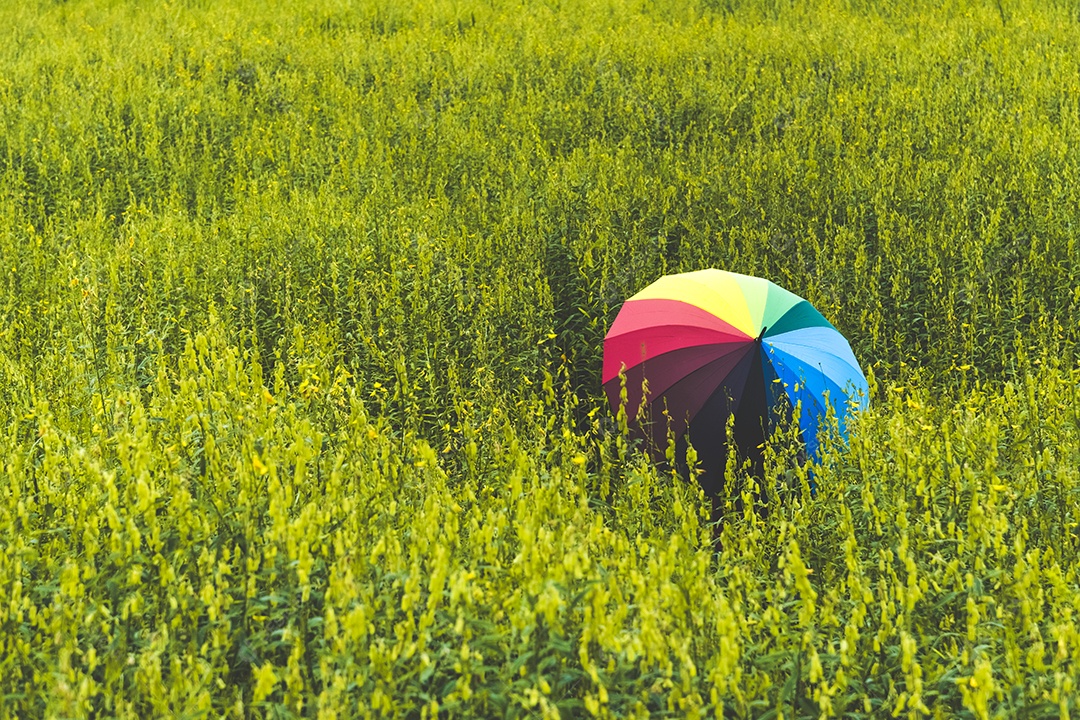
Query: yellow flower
265	680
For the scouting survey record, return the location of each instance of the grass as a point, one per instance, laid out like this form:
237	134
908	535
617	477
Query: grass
301	320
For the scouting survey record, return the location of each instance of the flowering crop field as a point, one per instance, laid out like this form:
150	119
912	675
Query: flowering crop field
302	308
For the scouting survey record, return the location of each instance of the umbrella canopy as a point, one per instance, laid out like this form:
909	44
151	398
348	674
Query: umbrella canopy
712	344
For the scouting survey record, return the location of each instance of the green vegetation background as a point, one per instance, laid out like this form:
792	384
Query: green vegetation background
301	322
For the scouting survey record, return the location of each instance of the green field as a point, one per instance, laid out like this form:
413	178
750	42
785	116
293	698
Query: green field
302	310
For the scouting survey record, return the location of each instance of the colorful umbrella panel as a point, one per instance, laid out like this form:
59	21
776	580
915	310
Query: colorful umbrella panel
712	344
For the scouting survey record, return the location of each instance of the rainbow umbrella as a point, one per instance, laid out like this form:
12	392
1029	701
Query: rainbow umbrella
711	344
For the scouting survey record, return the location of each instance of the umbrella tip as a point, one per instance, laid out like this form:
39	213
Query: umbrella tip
762	333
